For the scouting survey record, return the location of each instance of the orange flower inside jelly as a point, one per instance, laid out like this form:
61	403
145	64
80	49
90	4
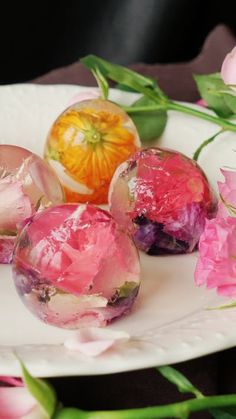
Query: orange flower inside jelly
86	144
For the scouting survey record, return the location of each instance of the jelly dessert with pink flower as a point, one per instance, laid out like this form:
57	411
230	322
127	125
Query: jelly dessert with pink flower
27	184
74	266
163	199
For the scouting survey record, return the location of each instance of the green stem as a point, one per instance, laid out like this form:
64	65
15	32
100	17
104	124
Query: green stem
204	144
224	123
149	108
169	105
176	410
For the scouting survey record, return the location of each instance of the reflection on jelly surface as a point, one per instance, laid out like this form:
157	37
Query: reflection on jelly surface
163	198
27	185
86	144
73	266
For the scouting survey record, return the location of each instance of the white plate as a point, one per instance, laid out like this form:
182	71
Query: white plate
169	322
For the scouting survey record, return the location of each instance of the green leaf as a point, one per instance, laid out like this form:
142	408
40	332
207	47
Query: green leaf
116	72
230	100
124	88
181	382
125	76
228	413
213	90
102	82
126	289
41	391
150	125
70	413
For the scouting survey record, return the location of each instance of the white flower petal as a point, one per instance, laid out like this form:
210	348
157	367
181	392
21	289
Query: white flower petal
67	180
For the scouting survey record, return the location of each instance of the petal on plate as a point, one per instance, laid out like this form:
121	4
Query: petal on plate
94	341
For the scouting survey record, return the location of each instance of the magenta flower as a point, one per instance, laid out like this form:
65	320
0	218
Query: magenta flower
227	189
216	266
228	69
16	402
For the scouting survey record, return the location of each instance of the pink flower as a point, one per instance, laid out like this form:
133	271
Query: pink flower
15	208
15	205
216	266
85	95
93	341
228	193
202	102
228	69
16	402
82	266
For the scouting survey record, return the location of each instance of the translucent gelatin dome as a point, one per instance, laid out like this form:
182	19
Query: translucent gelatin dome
27	185
86	144
73	266
162	198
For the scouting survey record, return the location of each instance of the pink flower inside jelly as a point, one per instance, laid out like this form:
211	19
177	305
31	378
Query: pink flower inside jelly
27	185
163	199
74	266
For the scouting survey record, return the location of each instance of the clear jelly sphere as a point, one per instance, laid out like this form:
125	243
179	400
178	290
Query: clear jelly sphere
27	185
163	199
86	144
74	266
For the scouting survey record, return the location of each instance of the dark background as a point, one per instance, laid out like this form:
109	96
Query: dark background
36	37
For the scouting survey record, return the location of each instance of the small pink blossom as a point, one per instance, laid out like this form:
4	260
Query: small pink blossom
227	190
85	95
228	69
94	341
16	402
202	102
216	266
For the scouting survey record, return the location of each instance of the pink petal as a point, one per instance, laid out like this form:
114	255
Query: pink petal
15	402
202	102
94	341
86	95
7	244
13	381
227	290
228	69
15	205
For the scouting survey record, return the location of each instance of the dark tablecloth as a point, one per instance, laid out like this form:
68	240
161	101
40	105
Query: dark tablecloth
211	374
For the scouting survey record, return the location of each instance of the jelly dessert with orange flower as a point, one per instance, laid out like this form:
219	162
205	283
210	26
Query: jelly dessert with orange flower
74	266
27	185
86	144
163	198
